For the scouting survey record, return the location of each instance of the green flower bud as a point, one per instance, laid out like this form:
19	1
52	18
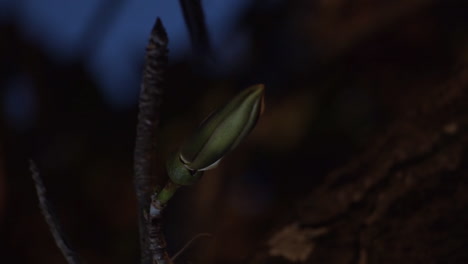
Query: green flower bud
179	174
221	132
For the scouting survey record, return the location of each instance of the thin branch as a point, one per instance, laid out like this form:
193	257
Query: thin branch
148	120
190	243
157	243
195	20
59	236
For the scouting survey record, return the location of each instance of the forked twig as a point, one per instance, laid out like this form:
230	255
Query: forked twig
148	120
190	243
54	225
157	243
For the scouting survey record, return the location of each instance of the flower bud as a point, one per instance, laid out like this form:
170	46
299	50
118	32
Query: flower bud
179	174
222	131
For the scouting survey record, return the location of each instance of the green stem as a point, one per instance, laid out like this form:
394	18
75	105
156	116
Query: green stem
167	192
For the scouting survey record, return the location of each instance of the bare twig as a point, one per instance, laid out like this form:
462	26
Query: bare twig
195	20
157	243
59	236
190	243
148	120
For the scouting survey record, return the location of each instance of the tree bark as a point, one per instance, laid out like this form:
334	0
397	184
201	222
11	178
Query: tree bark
404	200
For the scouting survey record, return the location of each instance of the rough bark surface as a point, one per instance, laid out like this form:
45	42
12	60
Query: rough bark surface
404	200
148	121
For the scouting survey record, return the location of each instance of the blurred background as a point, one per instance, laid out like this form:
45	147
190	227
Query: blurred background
335	71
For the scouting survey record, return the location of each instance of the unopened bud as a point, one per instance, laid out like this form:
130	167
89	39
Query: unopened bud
221	132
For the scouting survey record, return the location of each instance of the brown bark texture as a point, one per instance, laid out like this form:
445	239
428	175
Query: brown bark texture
403	200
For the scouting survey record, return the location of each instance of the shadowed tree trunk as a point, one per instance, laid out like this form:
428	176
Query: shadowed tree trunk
404	200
